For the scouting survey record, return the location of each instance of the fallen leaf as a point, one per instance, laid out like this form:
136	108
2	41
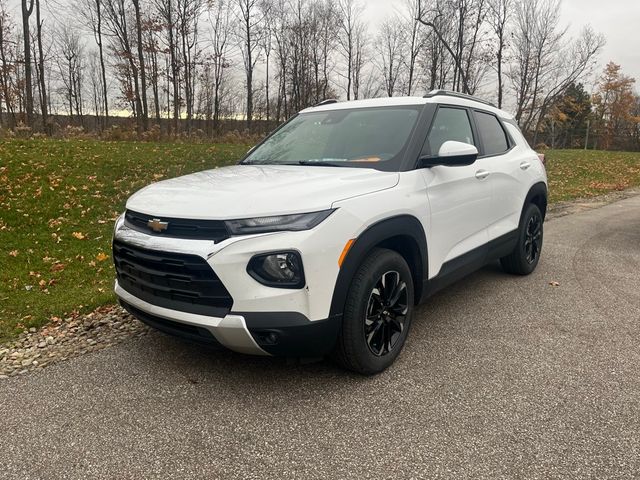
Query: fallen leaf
13	253
554	284
57	267
101	257
78	235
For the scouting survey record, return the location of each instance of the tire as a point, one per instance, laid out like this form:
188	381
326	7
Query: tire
525	256
374	326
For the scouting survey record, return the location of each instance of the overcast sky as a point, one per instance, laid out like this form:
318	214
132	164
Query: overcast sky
618	20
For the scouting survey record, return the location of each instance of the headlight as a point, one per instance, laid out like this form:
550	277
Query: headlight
279	223
278	269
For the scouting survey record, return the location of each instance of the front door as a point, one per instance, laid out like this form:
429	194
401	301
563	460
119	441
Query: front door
460	197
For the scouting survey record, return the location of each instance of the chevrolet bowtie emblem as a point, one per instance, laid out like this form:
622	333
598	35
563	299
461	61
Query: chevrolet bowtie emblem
157	225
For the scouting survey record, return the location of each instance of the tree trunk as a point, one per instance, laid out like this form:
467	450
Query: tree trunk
26	13
143	75
103	70
42	83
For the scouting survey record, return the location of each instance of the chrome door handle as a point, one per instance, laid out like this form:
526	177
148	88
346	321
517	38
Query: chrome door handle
524	165
482	174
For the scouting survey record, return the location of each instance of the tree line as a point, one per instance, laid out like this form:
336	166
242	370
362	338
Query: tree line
189	65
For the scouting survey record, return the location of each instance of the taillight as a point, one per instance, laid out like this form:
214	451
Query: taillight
542	159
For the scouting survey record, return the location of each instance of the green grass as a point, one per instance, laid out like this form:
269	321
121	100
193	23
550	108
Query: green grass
58	202
59	199
579	173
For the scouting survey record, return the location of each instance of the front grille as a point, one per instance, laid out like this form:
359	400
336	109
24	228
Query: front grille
215	230
180	282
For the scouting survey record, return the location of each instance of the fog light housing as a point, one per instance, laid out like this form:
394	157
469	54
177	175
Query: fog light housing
278	270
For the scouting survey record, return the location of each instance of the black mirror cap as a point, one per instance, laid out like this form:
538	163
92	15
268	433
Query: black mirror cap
454	161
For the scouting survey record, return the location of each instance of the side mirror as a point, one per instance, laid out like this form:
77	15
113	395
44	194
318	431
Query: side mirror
452	154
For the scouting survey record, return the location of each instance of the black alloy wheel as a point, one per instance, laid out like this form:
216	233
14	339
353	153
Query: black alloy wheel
386	313
533	238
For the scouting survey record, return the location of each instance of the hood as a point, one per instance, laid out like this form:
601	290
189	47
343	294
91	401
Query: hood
244	191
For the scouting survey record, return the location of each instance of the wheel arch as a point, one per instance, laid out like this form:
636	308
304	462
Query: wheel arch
403	234
537	195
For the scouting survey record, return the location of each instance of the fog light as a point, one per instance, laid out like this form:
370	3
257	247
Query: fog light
279	270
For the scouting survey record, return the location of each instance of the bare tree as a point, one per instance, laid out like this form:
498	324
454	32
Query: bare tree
71	67
116	15
90	13
166	11
391	48
499	13
142	95
325	45
27	10
7	64
544	61
42	86
351	43
249	17
220	19
188	16
415	43
457	24
152	27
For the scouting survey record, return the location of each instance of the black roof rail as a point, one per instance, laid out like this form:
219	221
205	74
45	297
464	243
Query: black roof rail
448	93
328	101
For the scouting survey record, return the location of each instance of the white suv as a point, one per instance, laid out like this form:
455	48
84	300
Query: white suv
328	233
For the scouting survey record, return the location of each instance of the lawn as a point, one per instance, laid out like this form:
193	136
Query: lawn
579	173
59	199
58	202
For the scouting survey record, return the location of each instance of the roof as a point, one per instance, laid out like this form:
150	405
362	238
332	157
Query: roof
408	101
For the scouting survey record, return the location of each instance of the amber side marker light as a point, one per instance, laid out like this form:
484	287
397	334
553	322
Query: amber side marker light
345	250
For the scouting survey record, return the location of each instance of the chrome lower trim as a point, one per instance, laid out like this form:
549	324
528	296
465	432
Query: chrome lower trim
231	330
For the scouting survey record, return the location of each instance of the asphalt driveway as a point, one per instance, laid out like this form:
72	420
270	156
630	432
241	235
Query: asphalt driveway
503	377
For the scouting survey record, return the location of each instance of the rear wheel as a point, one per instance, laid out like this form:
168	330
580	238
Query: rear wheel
525	256
377	313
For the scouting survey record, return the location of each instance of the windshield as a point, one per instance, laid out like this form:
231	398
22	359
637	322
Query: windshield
367	137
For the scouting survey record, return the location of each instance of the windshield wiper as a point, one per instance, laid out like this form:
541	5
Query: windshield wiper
324	163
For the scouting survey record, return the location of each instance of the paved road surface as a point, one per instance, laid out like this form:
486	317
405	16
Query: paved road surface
502	377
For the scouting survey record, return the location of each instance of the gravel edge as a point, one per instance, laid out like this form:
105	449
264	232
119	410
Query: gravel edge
58	341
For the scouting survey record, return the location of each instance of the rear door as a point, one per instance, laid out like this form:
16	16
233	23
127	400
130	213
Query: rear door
508	164
460	197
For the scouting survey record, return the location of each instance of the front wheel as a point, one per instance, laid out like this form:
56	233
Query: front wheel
377	313
525	256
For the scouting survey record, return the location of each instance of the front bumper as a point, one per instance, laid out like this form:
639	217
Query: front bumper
263	320
230	331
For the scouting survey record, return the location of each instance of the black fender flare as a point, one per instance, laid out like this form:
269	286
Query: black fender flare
384	230
537	190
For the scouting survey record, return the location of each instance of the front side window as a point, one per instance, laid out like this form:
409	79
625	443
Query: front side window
493	136
450	124
365	137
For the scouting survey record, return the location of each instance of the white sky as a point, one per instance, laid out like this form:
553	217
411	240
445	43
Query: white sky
618	20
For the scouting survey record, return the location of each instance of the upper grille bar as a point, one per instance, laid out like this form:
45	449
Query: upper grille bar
215	230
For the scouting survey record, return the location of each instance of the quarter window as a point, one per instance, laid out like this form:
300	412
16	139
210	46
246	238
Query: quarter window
450	124
493	135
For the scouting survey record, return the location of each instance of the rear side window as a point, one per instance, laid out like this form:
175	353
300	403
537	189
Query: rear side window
450	124
493	135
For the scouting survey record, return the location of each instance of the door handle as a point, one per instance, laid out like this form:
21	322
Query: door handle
482	174
524	165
